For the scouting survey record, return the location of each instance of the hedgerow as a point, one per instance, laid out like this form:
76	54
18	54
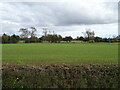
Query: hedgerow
61	76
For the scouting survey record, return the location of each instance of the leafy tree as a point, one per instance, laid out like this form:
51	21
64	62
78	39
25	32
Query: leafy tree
68	38
46	38
105	40
5	38
97	39
32	40
52	38
80	38
14	38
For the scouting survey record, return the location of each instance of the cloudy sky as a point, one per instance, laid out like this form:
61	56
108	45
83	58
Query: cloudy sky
65	18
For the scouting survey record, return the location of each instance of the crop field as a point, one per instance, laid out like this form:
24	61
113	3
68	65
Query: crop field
37	54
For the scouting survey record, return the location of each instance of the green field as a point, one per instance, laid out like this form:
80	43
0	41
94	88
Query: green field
60	53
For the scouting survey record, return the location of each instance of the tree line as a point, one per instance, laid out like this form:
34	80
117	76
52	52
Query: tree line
28	35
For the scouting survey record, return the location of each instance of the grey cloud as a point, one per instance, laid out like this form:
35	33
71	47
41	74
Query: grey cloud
73	15
59	13
56	16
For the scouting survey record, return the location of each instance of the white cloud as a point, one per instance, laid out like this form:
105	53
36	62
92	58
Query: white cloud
62	17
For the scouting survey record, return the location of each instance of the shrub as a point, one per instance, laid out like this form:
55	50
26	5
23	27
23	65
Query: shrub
91	41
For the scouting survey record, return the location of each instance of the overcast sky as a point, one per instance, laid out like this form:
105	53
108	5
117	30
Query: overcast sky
65	18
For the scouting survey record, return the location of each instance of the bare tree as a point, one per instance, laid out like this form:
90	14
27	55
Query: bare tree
89	34
24	33
32	32
53	32
49	32
45	32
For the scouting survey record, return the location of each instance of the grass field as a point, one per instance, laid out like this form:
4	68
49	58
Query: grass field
36	54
